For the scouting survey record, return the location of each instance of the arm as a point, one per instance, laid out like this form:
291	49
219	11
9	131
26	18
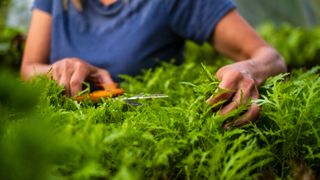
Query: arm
69	72
255	62
36	54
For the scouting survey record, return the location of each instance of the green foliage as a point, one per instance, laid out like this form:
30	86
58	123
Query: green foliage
299	46
175	138
4	4
45	135
11	47
14	94
291	111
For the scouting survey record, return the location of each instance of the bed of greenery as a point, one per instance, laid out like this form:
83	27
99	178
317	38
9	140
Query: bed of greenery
45	135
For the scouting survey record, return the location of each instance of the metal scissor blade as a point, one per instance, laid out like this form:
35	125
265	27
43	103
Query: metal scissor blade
134	99
145	96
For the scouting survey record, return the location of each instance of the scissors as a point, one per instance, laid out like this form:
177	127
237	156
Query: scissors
113	91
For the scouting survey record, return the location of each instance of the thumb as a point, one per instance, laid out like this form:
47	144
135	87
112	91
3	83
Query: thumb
104	77
107	79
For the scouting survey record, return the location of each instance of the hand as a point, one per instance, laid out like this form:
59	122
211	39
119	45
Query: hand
72	72
238	81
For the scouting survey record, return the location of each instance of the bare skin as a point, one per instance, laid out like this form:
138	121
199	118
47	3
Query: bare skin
255	62
69	72
233	37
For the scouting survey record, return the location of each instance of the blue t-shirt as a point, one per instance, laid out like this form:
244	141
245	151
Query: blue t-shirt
130	35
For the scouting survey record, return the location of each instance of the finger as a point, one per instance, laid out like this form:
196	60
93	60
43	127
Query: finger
241	97
64	81
229	82
106	79
220	97
66	74
229	107
250	116
236	102
101	76
77	78
56	75
228	88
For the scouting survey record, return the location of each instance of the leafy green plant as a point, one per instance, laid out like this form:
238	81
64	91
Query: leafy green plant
46	135
299	46
11	47
291	110
175	138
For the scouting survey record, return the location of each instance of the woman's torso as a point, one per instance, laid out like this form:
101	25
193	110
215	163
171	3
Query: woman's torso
123	38
130	35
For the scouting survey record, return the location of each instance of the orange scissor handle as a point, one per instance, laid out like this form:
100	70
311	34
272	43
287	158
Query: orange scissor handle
109	91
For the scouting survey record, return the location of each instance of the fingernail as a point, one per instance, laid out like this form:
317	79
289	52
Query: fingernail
209	100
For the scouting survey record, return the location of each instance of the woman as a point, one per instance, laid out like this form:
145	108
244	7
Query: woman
99	39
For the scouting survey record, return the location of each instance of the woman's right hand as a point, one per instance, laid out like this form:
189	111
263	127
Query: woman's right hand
72	72
69	72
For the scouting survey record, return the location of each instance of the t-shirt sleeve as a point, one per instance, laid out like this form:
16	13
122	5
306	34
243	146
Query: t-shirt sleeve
44	5
196	19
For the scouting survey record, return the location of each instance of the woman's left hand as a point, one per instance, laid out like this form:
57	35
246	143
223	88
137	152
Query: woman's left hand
255	62
239	85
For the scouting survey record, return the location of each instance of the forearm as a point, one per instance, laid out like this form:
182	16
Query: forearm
235	38
266	62
37	50
255	62
29	70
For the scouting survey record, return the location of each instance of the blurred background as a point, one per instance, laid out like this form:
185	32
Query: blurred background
295	20
305	13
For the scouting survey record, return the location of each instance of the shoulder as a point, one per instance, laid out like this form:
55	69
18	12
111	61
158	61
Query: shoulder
49	6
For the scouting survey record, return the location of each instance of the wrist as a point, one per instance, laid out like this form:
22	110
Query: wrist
265	63
29	70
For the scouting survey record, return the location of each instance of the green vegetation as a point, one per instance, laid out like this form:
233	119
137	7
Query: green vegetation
178	137
299	46
45	135
4	4
11	47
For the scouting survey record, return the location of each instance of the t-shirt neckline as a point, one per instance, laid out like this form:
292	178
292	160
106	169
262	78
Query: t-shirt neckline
106	10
